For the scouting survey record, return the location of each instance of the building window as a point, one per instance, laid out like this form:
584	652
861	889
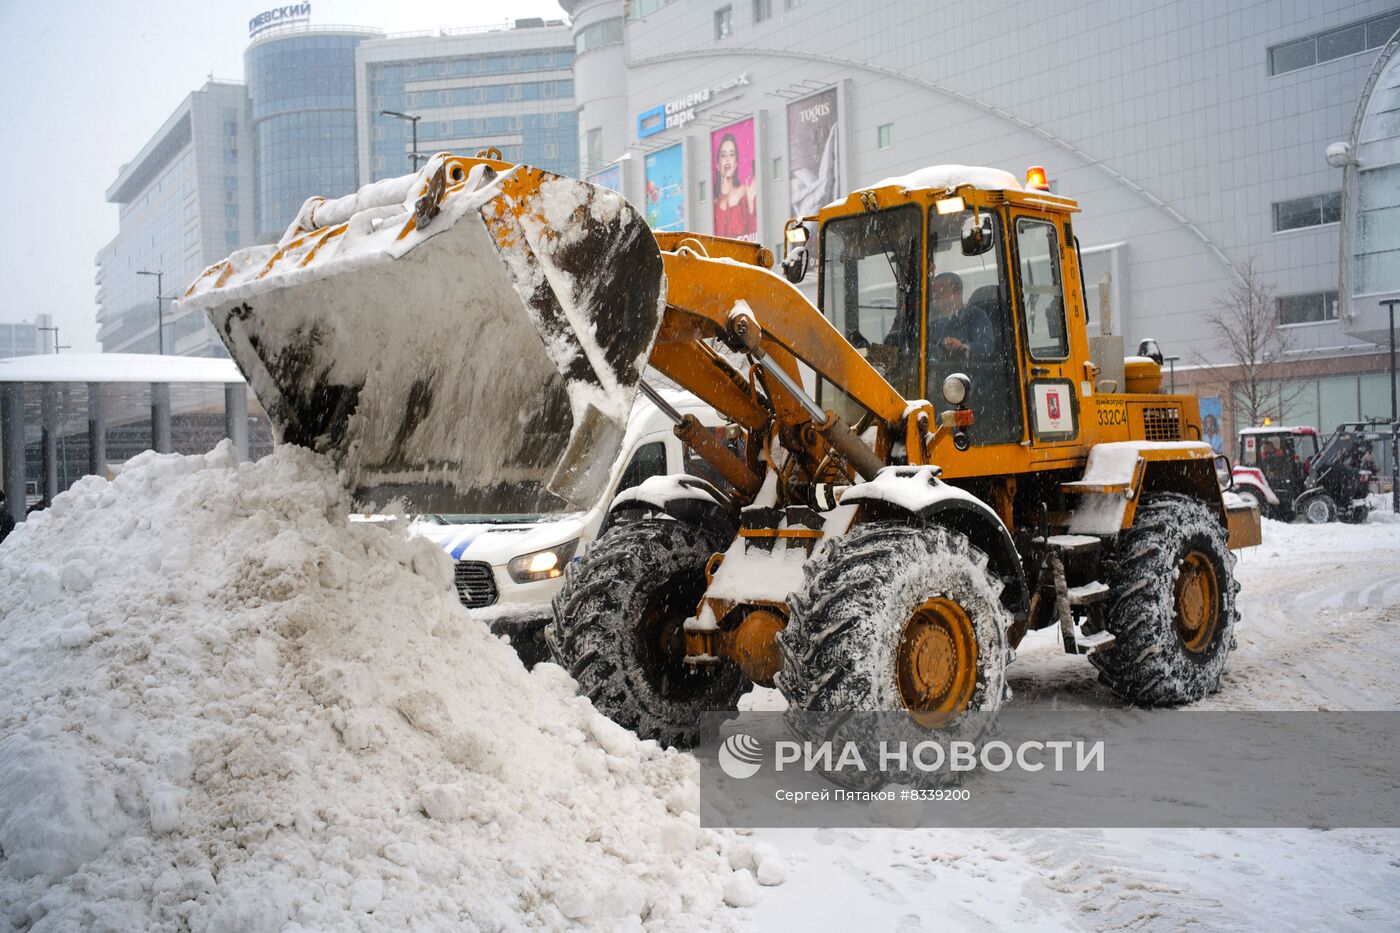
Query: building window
702	191
724	22
593	149
777	168
762	9
640	9
1333	44
793	4
597	35
885	136
1307	309
1308	212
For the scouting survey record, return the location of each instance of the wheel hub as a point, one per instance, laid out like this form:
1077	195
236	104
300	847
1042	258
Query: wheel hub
1197	602
937	662
1317	512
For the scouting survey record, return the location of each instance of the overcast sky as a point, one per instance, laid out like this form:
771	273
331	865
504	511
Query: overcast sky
84	85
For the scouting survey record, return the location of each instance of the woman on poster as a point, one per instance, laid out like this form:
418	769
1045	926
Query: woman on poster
735	213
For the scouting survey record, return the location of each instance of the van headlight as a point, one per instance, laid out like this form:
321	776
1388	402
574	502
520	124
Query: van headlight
542	565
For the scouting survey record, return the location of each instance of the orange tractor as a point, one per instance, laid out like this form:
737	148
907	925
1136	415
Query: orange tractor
917	471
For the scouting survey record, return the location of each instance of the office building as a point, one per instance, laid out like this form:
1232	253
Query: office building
26	338
301	119
472	89
185	201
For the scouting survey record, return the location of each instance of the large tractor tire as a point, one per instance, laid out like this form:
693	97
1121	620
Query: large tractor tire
895	617
1317	508
618	630
1172	590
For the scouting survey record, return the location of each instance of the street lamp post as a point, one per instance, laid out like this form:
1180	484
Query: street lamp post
161	296
1390	304
411	118
56	345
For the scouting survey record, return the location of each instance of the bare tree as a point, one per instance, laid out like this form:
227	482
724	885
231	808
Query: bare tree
1245	321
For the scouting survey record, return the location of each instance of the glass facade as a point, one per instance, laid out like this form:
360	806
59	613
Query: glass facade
521	102
301	108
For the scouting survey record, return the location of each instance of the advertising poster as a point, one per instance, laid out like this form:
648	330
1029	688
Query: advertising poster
812	130
1210	423
665	193
734	173
610	177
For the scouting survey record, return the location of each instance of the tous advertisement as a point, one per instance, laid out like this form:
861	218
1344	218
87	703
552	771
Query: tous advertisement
733	167
812	152
665	191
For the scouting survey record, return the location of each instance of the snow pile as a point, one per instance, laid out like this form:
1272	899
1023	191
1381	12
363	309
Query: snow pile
225	707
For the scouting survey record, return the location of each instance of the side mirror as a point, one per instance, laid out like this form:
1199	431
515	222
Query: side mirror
796	264
1224	472
977	235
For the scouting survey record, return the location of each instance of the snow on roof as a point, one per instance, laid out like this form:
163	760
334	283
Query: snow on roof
117	367
948	177
1280	429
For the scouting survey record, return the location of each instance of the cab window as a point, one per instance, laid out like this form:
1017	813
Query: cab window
648	461
1042	293
870	292
969	327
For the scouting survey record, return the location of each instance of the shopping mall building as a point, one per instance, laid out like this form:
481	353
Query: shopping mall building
1192	134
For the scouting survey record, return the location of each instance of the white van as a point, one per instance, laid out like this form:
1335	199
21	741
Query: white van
508	567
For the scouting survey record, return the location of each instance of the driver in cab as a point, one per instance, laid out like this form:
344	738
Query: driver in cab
956	331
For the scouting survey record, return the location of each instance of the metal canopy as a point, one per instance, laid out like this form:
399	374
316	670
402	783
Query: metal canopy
118	367
53	400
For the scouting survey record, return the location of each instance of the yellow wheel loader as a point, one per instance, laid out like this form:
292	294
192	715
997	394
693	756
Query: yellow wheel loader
920	469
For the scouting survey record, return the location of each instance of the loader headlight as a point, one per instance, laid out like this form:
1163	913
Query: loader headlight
955	388
949	205
542	565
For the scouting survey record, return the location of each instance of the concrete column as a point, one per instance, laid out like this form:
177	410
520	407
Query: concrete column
12	444
48	422
236	417
97	431
160	417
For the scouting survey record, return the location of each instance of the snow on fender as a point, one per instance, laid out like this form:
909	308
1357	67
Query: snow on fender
915	489
920	490
663	491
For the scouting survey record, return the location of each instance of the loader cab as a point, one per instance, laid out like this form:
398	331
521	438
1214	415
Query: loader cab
959	277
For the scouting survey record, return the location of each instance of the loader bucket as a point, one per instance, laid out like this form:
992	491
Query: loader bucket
474	346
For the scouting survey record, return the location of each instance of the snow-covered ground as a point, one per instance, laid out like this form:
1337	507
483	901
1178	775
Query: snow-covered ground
1320	611
226	708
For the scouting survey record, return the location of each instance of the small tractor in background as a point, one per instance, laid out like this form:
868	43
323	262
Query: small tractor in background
922	468
1289	476
1271	470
